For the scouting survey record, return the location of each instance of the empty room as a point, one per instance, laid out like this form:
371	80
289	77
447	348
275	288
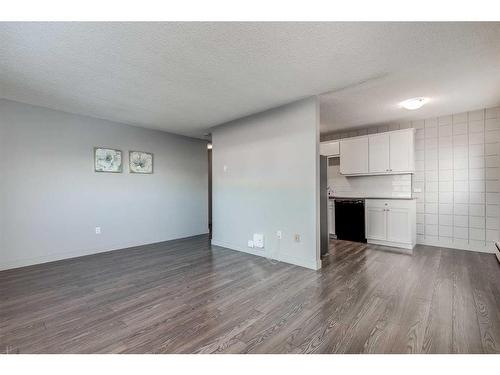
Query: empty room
249	187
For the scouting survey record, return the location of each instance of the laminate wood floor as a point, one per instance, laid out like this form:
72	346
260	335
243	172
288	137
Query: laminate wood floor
185	296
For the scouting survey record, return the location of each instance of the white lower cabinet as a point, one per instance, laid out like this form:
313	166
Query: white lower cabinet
399	225
331	217
391	222
376	223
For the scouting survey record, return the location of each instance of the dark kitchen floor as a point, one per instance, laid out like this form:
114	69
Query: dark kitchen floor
185	296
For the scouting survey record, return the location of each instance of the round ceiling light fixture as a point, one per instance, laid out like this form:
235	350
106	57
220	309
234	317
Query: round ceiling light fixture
414	103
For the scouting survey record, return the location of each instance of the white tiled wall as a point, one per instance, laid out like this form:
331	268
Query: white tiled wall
457	170
398	186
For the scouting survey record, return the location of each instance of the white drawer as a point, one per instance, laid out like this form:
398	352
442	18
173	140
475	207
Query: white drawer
389	203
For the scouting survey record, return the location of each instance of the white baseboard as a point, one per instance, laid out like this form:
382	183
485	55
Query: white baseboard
398	246
311	264
480	249
53	257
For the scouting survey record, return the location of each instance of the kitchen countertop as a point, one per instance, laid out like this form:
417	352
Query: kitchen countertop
400	198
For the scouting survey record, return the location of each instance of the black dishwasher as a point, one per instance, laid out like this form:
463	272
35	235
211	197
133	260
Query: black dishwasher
350	219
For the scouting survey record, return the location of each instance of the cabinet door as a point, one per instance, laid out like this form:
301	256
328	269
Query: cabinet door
398	225
401	151
331	218
354	156
378	146
376	223
329	148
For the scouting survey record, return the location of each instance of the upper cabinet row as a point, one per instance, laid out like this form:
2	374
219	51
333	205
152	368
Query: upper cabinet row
383	153
329	148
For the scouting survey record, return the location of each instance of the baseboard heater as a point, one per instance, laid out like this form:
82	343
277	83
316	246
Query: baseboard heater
497	252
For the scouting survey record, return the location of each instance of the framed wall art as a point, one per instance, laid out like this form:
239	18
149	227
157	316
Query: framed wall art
140	162
107	160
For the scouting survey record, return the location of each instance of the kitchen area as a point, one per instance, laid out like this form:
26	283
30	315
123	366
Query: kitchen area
368	182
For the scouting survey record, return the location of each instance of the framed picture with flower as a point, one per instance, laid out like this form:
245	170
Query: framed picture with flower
140	162
107	160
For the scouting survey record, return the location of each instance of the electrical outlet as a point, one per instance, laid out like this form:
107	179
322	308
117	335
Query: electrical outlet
97	230
250	243
279	235
225	168
296	237
258	240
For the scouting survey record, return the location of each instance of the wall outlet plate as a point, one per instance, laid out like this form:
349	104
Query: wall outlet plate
97	230
258	240
279	234
250	243
296	237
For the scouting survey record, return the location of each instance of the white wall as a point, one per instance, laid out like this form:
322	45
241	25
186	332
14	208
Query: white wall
457	169
271	183
51	199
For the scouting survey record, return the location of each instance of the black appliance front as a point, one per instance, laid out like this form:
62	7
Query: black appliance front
350	219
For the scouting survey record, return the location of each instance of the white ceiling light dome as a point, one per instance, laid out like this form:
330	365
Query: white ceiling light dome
414	103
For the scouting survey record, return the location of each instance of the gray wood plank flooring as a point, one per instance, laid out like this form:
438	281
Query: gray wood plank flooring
185	296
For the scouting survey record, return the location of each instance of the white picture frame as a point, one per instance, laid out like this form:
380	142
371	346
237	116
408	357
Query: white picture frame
140	162
108	160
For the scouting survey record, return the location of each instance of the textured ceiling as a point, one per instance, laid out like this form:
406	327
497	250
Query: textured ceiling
187	77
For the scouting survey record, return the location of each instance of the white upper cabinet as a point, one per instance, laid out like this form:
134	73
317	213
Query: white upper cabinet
384	153
402	152
354	155
329	148
378	146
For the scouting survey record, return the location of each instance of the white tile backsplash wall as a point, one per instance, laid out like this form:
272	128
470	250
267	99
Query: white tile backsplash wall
373	186
457	162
